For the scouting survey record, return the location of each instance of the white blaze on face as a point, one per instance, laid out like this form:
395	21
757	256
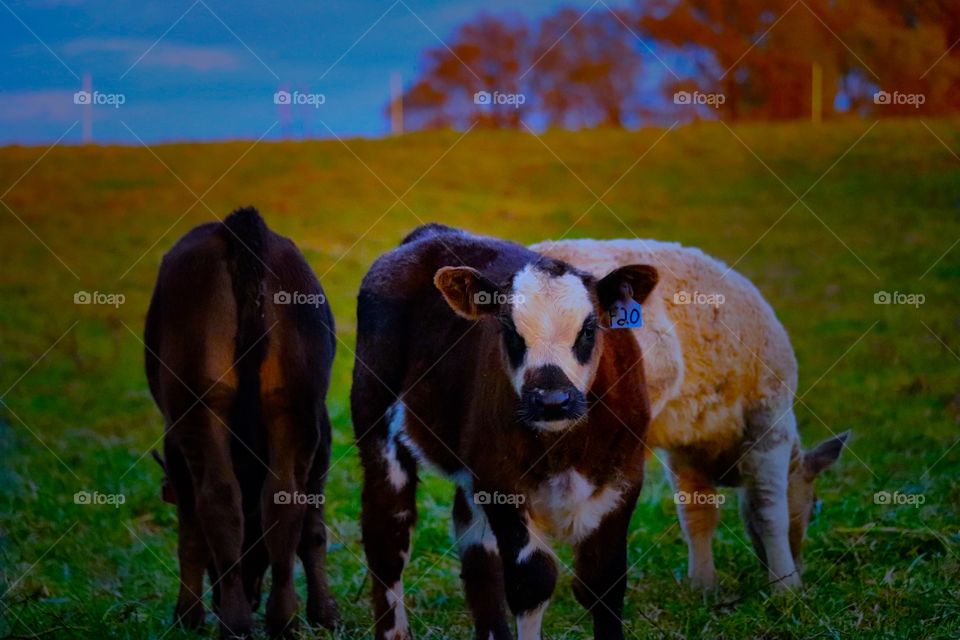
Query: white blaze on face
548	312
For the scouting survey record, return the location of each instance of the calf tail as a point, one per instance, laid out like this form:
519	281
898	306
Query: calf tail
246	237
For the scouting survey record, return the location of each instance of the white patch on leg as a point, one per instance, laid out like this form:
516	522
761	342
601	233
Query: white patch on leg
479	532
396	474
401	626
765	479
536	542
530	622
405	554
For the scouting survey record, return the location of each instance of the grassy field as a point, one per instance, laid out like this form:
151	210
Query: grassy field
879	215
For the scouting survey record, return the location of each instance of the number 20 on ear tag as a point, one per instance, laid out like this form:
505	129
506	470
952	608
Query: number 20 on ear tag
626	315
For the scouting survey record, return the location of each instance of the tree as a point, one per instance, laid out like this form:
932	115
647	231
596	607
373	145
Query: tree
743	51
585	69
908	43
759	53
486	55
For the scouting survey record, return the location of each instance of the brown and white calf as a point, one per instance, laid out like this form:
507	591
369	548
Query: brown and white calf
721	376
241	382
495	365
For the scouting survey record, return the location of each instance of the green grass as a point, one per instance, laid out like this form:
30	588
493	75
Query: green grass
80	418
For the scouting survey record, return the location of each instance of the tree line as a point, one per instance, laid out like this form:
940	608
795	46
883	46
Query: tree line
670	59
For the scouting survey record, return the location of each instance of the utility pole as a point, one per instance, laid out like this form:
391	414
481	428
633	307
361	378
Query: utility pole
88	109
396	104
816	94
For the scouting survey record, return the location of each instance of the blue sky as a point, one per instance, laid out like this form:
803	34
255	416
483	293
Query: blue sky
208	69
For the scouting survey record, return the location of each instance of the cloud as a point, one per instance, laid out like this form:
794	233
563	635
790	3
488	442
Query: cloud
163	54
43	105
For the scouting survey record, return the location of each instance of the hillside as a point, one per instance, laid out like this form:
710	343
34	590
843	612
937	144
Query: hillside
879	209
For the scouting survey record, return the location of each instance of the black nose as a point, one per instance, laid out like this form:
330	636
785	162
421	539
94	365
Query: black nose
554	400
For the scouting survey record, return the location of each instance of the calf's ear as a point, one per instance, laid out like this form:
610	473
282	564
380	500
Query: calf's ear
467	291
634	281
822	456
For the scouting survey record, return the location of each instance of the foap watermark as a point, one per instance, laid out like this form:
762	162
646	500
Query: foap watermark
699	98
485	297
299	98
299	498
897	98
485	497
898	499
898	297
99	297
96	498
298	297
486	98
699	498
98	99
699	297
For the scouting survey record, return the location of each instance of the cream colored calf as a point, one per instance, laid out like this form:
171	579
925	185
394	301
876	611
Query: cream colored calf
721	376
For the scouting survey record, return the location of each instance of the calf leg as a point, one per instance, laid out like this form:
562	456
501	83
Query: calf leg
529	570
764	470
389	515
601	571
283	506
205	443
192	550
251	472
389	509
255	562
481	570
698	510
321	607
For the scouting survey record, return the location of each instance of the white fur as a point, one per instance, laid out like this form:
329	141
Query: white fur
479	533
553	426
396	474
768	473
570	507
530	622
549	313
537	541
401	626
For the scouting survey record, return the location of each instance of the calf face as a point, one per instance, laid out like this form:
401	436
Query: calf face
551	319
801	497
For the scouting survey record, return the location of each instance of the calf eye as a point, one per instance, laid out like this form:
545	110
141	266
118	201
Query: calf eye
513	342
583	346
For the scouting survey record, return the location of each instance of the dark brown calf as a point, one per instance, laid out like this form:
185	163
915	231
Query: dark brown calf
239	345
496	366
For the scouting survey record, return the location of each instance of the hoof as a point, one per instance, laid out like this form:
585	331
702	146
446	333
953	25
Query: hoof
703	582
283	629
236	632
190	617
323	614
787	583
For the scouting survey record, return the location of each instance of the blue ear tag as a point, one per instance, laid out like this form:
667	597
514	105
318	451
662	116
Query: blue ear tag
626	315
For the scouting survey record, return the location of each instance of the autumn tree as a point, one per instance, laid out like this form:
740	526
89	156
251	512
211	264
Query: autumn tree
739	50
754	58
585	69
486	55
912	45
759	53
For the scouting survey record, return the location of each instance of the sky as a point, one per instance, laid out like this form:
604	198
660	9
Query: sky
209	69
